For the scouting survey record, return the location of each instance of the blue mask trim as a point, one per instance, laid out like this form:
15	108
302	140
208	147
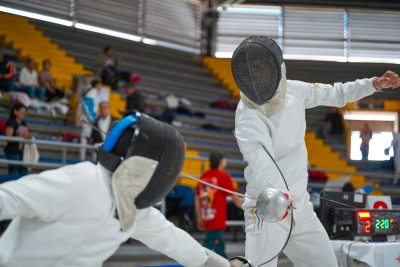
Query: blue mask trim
117	130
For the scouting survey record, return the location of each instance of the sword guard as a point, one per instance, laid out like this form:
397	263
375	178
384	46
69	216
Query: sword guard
274	205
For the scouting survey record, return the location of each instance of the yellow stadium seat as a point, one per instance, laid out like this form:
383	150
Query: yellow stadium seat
29	42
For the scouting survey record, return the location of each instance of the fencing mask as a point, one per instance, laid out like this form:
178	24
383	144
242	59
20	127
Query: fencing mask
259	72
149	166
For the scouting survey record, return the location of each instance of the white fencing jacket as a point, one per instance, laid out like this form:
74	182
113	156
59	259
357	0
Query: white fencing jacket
66	217
283	136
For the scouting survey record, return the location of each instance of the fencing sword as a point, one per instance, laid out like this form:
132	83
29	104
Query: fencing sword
251	197
242	260
221	188
262	201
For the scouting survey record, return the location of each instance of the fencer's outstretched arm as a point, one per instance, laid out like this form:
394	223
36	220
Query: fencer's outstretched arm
46	196
254	138
338	95
156	232
341	93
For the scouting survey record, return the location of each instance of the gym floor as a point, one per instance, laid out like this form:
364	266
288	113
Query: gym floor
283	261
135	254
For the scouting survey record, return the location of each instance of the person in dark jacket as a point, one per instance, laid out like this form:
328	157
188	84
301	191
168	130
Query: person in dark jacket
6	74
134	100
335	120
332	124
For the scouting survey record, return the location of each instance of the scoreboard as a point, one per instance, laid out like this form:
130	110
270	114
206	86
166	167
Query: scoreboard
352	222
378	222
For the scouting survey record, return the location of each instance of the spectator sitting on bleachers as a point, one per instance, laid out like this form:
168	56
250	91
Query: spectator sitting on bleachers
15	126
88	110
134	100
28	78
103	122
178	105
168	116
46	80
108	62
108	69
6	74
109	57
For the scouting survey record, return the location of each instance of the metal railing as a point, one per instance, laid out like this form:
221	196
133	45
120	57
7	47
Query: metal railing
381	177
64	145
63	150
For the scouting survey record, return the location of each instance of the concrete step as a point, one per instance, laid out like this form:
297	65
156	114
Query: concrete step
136	53
102	41
195	97
205	109
230	152
341	149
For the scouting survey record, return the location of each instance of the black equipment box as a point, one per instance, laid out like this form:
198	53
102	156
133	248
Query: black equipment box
327	212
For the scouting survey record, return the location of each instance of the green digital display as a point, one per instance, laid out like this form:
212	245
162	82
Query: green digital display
378	222
382	224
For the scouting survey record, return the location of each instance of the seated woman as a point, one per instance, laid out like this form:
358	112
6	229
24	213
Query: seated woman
46	80
17	128
108	64
28	78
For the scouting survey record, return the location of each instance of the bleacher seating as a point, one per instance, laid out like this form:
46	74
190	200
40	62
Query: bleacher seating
29	42
166	71
162	71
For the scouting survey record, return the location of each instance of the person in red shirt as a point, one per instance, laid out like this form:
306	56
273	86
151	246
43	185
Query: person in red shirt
211	206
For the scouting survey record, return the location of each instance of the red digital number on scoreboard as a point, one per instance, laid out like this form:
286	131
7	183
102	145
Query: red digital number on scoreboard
368	227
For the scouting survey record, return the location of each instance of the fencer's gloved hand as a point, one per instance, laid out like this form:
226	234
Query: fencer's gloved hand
240	262
291	205
215	260
273	205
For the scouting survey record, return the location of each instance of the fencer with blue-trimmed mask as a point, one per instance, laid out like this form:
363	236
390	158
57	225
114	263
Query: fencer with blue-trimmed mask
78	215
270	127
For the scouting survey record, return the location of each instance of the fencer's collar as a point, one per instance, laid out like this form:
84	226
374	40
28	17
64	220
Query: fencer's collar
109	160
103	170
275	103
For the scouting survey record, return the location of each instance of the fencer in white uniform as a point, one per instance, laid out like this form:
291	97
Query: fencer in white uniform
78	215
271	116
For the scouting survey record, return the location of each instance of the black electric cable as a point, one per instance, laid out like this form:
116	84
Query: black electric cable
292	220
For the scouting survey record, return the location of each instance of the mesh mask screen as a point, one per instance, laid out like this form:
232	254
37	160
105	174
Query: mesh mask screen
256	68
